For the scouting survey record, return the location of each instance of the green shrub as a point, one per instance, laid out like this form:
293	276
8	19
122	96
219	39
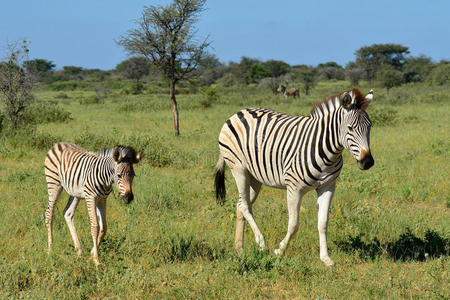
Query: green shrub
29	138
61	96
40	112
440	75
68	85
211	96
94	99
383	116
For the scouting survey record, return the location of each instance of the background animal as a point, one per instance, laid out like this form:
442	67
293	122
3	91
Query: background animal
295	92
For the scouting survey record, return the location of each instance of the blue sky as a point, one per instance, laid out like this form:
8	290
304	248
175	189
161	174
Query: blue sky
83	33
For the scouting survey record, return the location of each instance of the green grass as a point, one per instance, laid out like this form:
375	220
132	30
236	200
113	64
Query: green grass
174	241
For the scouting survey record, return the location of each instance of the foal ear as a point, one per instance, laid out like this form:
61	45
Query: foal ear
117	155
138	158
346	100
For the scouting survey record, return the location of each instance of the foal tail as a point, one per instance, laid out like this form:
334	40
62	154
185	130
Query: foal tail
219	181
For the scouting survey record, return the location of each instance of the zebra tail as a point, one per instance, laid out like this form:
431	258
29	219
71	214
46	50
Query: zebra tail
219	181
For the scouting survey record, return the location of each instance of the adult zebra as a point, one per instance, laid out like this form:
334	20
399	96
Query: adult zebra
90	176
299	154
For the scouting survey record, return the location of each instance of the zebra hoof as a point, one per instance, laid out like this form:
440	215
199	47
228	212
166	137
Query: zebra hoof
278	252
328	261
95	261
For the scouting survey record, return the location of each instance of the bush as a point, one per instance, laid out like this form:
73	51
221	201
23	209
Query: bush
39	113
440	75
28	137
228	80
136	88
95	99
67	85
383	116
211	96
389	77
61	96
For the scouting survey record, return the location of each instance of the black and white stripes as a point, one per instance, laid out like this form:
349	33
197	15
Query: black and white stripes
298	153
90	176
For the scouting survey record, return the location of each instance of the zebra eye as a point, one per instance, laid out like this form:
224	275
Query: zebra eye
350	128
119	176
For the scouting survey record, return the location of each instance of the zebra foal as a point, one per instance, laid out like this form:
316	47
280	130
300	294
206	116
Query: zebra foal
90	176
296	153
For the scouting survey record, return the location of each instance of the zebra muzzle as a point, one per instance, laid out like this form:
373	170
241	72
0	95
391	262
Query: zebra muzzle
366	162
128	197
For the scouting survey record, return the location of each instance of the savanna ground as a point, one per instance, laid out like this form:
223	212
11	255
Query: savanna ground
389	227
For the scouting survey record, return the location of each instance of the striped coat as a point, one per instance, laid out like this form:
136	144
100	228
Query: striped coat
298	153
87	175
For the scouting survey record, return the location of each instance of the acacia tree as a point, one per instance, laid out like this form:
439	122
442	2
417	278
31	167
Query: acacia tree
165	35
15	84
374	57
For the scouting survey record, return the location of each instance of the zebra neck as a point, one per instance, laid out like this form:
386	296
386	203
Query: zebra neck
327	118
107	170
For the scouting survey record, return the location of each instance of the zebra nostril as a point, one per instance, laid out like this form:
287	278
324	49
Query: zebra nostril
128	197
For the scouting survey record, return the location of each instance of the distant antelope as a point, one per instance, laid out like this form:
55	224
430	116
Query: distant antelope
288	92
297	153
90	176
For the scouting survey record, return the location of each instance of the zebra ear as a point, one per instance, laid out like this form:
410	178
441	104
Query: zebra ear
117	155
138	158
346	100
367	100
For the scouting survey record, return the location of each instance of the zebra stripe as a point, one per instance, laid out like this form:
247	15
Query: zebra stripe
87	175
298	153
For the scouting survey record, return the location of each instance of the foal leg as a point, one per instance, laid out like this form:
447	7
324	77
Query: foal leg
54	190
101	215
69	214
243	179
91	206
324	200
294	200
255	187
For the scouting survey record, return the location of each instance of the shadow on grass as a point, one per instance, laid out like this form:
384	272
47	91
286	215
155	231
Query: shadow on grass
407	247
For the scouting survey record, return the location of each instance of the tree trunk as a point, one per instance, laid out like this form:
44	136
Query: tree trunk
176	125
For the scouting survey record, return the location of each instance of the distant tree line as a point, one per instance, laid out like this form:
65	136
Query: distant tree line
388	65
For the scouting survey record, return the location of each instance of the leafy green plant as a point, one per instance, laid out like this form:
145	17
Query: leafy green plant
41	112
383	116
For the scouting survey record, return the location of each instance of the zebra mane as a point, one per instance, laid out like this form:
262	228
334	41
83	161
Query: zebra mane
357	96
128	153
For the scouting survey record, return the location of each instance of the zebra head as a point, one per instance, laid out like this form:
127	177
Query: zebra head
355	128
125	157
281	88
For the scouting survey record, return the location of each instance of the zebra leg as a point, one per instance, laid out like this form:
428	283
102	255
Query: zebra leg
255	187
53	195
294	200
69	214
91	206
243	178
101	216
325	194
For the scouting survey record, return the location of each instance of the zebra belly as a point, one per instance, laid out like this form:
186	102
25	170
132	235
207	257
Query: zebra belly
74	191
